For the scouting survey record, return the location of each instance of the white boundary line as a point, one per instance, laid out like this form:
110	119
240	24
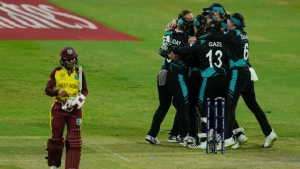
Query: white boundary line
113	153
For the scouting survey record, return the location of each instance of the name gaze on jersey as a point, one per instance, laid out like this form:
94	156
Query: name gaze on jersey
215	44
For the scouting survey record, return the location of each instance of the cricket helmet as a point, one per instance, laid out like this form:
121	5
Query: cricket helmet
67	53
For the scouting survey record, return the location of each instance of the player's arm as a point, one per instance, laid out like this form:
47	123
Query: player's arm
50	87
185	51
163	50
163	53
171	25
192	39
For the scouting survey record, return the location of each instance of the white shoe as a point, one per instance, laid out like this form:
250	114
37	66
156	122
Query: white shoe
242	139
228	143
152	140
191	140
174	139
184	140
53	167
203	145
195	146
270	139
236	145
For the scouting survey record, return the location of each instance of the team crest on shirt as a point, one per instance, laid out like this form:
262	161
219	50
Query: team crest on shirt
76	77
78	121
62	75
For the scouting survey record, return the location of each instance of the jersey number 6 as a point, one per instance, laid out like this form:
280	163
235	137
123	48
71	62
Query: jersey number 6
246	51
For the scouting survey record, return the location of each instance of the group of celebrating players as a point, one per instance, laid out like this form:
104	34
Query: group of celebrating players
206	56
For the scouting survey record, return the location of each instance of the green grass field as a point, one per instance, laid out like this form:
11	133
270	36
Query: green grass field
121	78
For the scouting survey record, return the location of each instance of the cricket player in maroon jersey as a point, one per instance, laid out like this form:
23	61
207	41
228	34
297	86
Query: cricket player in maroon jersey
68	86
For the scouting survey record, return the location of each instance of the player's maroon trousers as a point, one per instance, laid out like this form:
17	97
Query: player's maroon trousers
60	118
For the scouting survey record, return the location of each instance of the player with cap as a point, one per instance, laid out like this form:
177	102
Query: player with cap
171	87
216	12
240	83
67	84
213	59
194	78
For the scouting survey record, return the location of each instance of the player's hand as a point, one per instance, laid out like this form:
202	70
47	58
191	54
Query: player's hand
192	39
163	53
172	56
172	25
63	93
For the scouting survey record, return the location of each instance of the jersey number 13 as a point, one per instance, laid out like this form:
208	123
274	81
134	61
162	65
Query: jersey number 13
218	54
